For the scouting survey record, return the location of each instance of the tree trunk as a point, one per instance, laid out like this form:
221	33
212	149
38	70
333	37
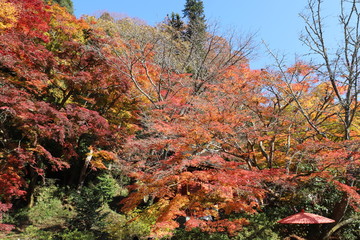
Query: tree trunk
84	168
338	226
31	188
338	213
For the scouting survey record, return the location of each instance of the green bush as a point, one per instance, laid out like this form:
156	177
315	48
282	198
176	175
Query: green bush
123	227
49	209
89	201
35	233
77	235
107	187
181	234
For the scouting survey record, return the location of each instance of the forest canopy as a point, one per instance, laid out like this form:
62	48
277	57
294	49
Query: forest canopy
114	129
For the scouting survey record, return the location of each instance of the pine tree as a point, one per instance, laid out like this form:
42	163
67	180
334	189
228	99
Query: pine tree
174	21
196	35
194	11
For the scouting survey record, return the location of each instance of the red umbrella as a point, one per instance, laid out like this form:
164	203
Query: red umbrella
305	218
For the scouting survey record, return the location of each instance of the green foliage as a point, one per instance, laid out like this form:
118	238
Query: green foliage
89	201
48	218
119	226
36	233
175	21
77	235
107	187
33	232
194	11
195	233
318	195
314	195
351	232
255	235
68	4
49	210
261	227
84	215
3	209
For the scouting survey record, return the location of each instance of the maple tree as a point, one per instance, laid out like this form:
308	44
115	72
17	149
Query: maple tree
233	118
248	120
316	104
52	110
202	144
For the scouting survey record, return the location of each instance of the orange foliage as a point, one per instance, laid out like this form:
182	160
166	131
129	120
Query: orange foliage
218	149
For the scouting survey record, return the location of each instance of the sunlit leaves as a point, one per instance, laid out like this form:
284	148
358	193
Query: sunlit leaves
32	18
8	15
211	144
200	145
59	96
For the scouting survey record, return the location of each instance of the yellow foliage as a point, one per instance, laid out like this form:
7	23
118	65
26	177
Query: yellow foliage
104	155
8	15
100	157
120	226
64	25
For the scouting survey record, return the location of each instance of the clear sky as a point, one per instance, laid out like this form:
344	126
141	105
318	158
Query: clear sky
276	22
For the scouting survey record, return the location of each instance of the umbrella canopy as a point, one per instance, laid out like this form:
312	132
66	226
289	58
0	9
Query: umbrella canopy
305	218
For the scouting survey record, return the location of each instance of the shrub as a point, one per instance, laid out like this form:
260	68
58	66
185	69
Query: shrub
4	227
49	210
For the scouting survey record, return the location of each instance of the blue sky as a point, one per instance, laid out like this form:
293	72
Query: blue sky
276	22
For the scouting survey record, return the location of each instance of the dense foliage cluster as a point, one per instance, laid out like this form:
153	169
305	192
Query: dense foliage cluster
113	129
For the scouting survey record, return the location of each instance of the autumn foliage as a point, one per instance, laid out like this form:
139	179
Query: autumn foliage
55	100
213	144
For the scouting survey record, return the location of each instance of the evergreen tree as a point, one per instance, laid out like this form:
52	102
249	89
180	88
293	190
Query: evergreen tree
176	26
174	21
196	35
194	11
